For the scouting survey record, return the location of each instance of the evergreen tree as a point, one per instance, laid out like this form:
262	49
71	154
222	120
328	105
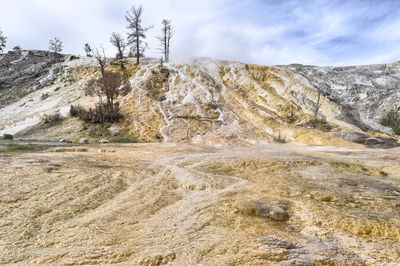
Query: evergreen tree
3	41
137	34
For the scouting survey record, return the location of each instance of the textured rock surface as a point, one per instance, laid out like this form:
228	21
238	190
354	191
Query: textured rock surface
365	92
208	101
188	204
26	71
153	204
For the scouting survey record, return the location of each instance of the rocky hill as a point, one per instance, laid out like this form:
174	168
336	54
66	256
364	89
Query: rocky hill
198	101
26	71
186	203
366	93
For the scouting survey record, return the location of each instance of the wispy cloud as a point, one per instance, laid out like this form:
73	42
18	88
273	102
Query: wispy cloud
325	32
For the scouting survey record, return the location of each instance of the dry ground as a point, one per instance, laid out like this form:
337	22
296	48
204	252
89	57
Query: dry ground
158	204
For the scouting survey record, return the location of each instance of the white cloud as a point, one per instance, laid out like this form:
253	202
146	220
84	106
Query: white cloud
256	31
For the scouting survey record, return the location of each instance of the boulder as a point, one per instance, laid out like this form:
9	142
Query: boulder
114	130
104	141
84	141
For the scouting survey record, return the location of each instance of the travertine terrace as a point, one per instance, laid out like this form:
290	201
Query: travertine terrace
206	183
152	204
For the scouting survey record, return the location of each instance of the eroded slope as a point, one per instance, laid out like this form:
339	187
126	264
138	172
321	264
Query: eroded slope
203	101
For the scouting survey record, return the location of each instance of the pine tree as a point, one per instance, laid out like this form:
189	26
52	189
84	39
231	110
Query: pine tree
55	45
88	50
137	34
3	41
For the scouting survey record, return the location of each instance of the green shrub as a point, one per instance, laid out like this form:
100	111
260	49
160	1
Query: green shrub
124	140
392	120
24	148
8	137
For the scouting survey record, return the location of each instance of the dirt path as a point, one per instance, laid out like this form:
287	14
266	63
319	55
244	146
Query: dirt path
184	204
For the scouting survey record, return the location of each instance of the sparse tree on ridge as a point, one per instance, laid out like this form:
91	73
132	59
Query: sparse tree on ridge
118	41
17	49
55	45
167	32
137	34
101	58
88	50
3	41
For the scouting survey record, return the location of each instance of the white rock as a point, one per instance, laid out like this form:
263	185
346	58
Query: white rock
84	141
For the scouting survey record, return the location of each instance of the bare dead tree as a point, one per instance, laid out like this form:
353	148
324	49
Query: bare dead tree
137	34
318	105
100	56
3	41
95	87
325	86
111	85
114	86
118	41
55	46
167	32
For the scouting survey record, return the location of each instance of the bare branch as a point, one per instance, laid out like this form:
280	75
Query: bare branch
101	58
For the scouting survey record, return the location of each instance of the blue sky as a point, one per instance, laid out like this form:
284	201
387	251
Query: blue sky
268	32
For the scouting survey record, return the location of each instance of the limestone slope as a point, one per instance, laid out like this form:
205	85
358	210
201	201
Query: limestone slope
366	93
199	101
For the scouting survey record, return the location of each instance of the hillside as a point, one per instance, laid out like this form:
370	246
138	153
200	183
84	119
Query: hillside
199	101
222	174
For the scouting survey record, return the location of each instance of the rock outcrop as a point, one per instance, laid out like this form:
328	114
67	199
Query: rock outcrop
366	93
26	71
200	101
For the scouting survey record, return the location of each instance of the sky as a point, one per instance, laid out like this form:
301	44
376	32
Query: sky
266	32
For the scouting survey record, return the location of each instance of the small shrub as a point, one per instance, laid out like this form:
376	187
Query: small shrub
214	105
124	140
279	138
318	124
98	114
17	49
76	110
44	96
290	116
8	137
52	119
392	120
